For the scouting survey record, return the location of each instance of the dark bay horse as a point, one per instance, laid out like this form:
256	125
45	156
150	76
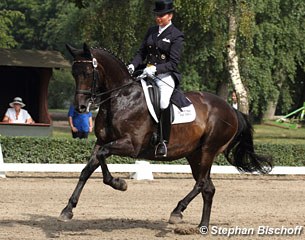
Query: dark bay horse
124	127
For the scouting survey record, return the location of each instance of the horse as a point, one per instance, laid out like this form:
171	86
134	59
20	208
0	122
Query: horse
124	127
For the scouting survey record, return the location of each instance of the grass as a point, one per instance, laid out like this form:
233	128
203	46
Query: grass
65	132
272	134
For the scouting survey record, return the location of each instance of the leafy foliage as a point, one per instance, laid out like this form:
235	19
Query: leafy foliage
271	66
7	20
61	89
270	40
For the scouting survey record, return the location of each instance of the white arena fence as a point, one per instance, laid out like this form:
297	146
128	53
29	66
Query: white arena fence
139	170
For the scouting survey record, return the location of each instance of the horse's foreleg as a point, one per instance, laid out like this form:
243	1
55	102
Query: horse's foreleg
120	146
91	166
108	179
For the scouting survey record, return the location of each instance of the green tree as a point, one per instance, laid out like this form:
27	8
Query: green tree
203	58
269	40
7	20
61	89
278	45
29	31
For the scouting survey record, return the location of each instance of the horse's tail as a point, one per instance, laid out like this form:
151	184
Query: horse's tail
240	152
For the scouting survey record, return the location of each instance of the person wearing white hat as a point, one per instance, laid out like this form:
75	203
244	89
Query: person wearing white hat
16	114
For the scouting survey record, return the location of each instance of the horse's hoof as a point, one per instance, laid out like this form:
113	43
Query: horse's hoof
119	184
175	218
65	216
122	184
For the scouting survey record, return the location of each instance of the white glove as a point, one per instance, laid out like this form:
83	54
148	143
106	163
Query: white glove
150	71
130	68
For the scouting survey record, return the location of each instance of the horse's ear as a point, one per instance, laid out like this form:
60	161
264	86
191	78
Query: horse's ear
87	51
71	50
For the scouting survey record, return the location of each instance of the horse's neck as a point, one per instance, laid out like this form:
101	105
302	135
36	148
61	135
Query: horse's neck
114	71
117	75
116	81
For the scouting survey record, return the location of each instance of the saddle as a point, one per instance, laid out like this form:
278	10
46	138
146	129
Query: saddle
154	95
180	109
178	99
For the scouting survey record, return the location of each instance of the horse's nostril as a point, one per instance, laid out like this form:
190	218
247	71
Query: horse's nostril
81	108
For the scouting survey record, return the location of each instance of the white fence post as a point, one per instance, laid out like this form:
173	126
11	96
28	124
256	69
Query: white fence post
2	174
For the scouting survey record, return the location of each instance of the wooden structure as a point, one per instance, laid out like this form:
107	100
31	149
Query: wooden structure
26	74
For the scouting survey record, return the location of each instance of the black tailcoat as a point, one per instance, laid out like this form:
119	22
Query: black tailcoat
163	51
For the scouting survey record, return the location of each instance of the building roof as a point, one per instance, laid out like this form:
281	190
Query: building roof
32	58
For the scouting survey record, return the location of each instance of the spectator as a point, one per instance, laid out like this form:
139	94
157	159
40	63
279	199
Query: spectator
16	114
80	123
234	100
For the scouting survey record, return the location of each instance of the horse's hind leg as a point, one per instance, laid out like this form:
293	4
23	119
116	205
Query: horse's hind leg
176	215
207	192
201	164
91	166
194	161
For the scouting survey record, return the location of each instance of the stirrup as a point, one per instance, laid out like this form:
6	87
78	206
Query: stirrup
161	150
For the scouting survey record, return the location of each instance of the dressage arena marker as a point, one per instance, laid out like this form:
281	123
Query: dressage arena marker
135	170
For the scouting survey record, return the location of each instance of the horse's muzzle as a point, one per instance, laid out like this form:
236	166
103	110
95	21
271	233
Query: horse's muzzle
82	103
81	108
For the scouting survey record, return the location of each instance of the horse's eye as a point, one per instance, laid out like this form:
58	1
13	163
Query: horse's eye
74	74
87	74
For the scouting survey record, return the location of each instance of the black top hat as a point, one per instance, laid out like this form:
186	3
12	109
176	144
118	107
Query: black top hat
164	6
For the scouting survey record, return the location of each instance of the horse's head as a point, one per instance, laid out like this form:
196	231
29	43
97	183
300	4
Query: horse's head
86	75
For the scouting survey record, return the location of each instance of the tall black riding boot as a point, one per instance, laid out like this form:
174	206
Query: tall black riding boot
164	133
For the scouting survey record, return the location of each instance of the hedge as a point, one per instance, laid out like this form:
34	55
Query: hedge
62	150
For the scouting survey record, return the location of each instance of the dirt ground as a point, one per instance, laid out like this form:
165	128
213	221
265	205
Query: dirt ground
31	203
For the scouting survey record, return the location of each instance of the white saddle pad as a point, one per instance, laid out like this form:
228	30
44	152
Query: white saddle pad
187	114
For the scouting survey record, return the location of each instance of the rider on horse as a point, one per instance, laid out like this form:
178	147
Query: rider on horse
161	48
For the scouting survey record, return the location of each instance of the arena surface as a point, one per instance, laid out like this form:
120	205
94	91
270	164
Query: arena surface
31	203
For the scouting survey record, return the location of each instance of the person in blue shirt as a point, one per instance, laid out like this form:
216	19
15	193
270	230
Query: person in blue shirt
80	123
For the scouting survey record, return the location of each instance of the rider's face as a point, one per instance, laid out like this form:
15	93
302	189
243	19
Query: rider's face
164	19
17	107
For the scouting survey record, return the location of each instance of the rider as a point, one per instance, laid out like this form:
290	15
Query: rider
162	47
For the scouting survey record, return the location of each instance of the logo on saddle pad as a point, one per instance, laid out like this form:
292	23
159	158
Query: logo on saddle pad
180	115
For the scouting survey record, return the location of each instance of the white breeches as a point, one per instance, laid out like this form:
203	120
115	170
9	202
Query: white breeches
166	87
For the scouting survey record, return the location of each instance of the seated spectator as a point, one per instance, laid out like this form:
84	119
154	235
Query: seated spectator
16	114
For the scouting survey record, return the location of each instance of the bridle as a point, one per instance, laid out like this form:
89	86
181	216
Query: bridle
94	92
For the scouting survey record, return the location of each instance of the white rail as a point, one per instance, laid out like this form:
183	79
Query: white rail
139	170
160	168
